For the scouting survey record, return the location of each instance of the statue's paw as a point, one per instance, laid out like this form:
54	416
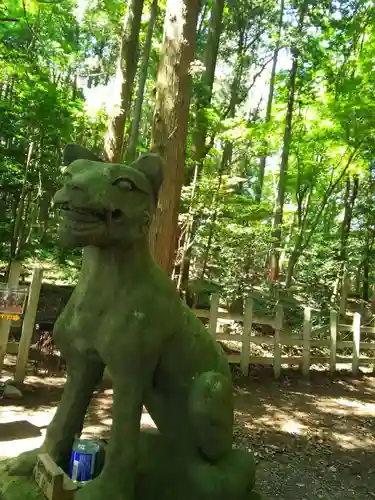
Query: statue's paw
22	465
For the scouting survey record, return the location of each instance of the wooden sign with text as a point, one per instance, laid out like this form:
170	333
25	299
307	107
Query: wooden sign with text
52	480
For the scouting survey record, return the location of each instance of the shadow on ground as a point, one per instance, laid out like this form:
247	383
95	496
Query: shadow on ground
311	440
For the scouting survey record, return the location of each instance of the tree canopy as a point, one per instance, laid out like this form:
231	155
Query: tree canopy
278	169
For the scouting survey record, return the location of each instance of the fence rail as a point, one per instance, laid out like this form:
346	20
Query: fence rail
248	338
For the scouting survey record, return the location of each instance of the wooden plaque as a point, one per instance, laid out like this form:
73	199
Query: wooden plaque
52	480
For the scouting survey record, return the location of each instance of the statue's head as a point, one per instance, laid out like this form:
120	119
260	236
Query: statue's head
106	204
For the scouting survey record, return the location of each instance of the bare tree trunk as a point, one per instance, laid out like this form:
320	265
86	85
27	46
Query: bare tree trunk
43	215
126	70
171	121
199	148
263	159
184	264
367	251
280	197
366	275
205	95
134	132
18	223
225	160
303	240
211	230
349	201
32	220
21	240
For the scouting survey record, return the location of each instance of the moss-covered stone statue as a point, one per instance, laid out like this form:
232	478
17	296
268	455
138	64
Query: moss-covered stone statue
125	314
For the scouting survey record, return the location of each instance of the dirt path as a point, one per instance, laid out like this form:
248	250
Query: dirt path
312	441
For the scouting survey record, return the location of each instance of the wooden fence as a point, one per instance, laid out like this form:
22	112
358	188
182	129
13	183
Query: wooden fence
248	338
28	323
306	340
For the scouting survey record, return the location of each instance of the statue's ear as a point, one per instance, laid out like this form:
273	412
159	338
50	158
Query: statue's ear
74	152
151	165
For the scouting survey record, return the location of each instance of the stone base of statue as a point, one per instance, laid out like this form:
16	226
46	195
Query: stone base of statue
162	474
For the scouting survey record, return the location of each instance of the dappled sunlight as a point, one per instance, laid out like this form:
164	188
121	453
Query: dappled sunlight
346	407
8	413
278	421
45	381
350	441
293	427
15	447
102	428
96	431
325	415
39	417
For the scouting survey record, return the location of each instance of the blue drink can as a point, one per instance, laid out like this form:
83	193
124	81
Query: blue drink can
83	460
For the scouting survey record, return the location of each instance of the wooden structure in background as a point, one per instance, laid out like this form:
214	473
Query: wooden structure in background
307	340
28	324
13	279
248	338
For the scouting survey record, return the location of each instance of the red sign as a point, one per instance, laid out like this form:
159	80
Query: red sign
12	302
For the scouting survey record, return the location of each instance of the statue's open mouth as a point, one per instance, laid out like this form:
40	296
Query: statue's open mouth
82	215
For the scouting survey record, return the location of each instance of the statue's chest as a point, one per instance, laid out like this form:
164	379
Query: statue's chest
96	323
84	322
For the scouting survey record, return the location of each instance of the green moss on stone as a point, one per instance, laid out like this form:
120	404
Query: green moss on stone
125	314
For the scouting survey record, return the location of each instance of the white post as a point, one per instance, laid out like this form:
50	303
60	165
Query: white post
356	341
306	341
247	322
214	313
277	341
333	340
13	279
344	293
28	324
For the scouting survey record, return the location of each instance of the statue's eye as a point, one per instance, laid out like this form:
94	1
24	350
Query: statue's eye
124	184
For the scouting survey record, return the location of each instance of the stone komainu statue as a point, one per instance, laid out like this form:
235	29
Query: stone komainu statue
125	314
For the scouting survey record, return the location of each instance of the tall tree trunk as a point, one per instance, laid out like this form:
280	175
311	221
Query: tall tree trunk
366	262
304	237
169	134
21	240
126	70
34	209
366	274
228	148
134	131
205	94
18	223
280	197
350	197
298	245
225	159
184	264
263	159
199	149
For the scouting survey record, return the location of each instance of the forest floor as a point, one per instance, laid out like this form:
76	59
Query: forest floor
312	440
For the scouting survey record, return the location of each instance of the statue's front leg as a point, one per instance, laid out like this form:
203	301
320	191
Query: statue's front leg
117	479
83	376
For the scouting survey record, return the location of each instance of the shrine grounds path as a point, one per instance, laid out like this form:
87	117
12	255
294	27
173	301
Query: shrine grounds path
312	440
